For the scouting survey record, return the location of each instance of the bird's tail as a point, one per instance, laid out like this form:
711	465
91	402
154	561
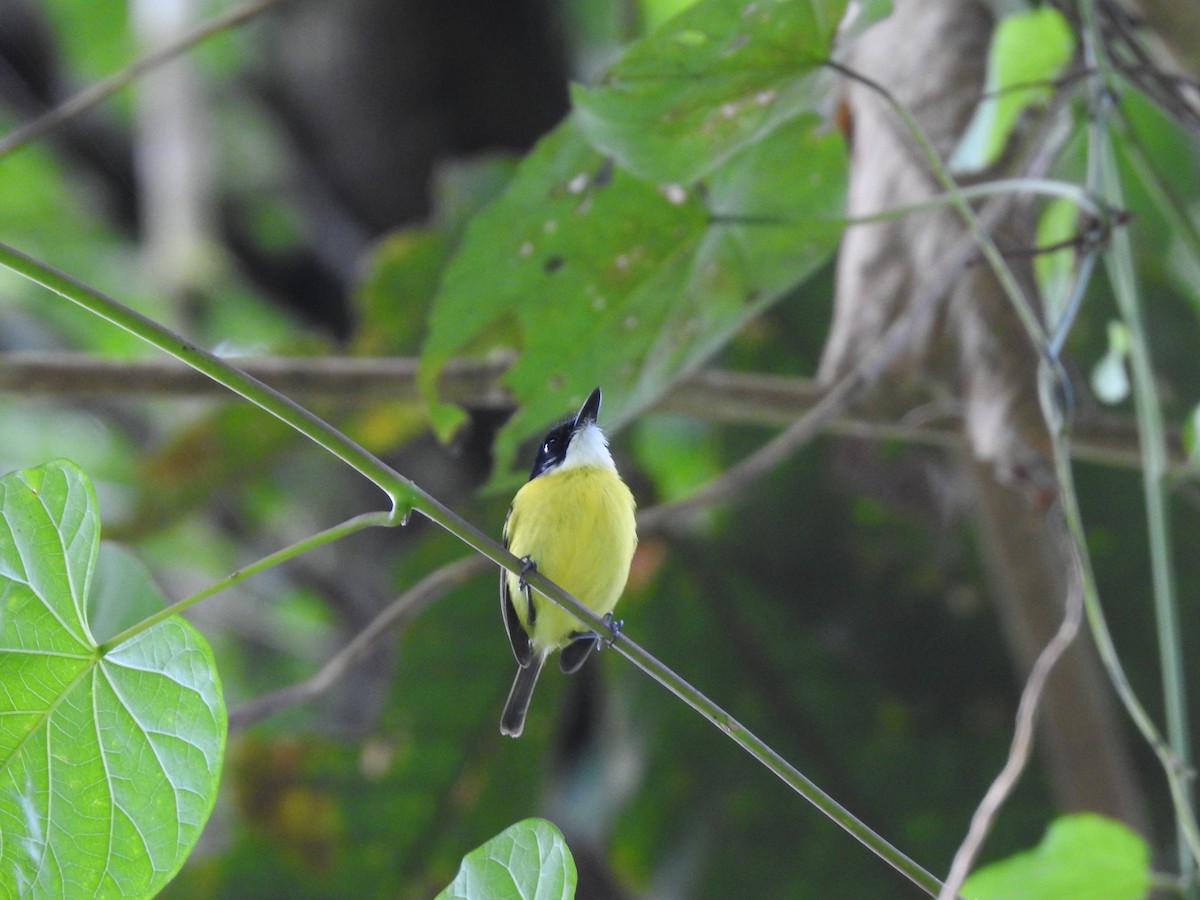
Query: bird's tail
512	720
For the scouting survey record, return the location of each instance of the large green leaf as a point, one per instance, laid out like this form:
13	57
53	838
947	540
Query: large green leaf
1081	855
719	76
610	280
687	192
109	761
528	859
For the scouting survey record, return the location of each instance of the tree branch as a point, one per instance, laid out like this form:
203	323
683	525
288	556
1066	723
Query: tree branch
399	612
734	398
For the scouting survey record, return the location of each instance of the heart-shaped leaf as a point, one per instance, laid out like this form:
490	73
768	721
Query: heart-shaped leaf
109	757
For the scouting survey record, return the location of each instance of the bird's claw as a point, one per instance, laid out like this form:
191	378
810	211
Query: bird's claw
527	566
615	626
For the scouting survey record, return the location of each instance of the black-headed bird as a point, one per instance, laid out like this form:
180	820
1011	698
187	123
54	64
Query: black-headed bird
574	522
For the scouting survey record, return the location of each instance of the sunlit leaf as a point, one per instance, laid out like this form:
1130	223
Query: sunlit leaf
1055	271
528	859
109	761
1029	50
122	594
1081	856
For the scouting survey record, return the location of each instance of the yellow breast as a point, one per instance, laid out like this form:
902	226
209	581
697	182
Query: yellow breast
577	524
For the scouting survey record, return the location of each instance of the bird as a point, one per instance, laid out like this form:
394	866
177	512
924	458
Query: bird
572	521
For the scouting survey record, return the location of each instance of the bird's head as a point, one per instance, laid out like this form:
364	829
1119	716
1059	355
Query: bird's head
578	441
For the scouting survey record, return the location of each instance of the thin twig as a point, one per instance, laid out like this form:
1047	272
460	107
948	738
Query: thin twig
980	235
100	91
1022	743
1002	786
437	583
406	497
399	612
1107	180
346	379
848	389
711	395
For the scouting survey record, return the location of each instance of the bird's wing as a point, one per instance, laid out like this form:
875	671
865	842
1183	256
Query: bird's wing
518	639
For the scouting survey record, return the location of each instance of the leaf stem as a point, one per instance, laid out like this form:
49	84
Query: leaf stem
1177	776
1105	177
987	247
366	520
1043	187
402	493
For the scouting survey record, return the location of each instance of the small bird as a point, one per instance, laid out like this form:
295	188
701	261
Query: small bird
573	521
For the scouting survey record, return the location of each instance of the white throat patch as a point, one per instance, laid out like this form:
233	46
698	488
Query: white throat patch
588	447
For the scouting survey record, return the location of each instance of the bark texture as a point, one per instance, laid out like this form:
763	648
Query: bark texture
971	356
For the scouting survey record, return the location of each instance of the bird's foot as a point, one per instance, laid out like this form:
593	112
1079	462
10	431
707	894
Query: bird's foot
527	566
615	625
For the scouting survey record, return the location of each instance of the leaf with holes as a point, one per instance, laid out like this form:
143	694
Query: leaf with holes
713	80
599	277
696	185
109	756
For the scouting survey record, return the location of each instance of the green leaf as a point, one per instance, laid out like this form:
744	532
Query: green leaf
607	279
654	12
1081	855
402	270
123	593
1191	437
714	79
528	859
630	274
1029	50
401	280
1055	271
109	761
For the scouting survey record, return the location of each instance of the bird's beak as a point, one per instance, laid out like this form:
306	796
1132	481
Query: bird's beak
590	411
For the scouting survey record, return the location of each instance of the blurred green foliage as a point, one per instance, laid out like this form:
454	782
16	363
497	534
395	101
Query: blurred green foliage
843	621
